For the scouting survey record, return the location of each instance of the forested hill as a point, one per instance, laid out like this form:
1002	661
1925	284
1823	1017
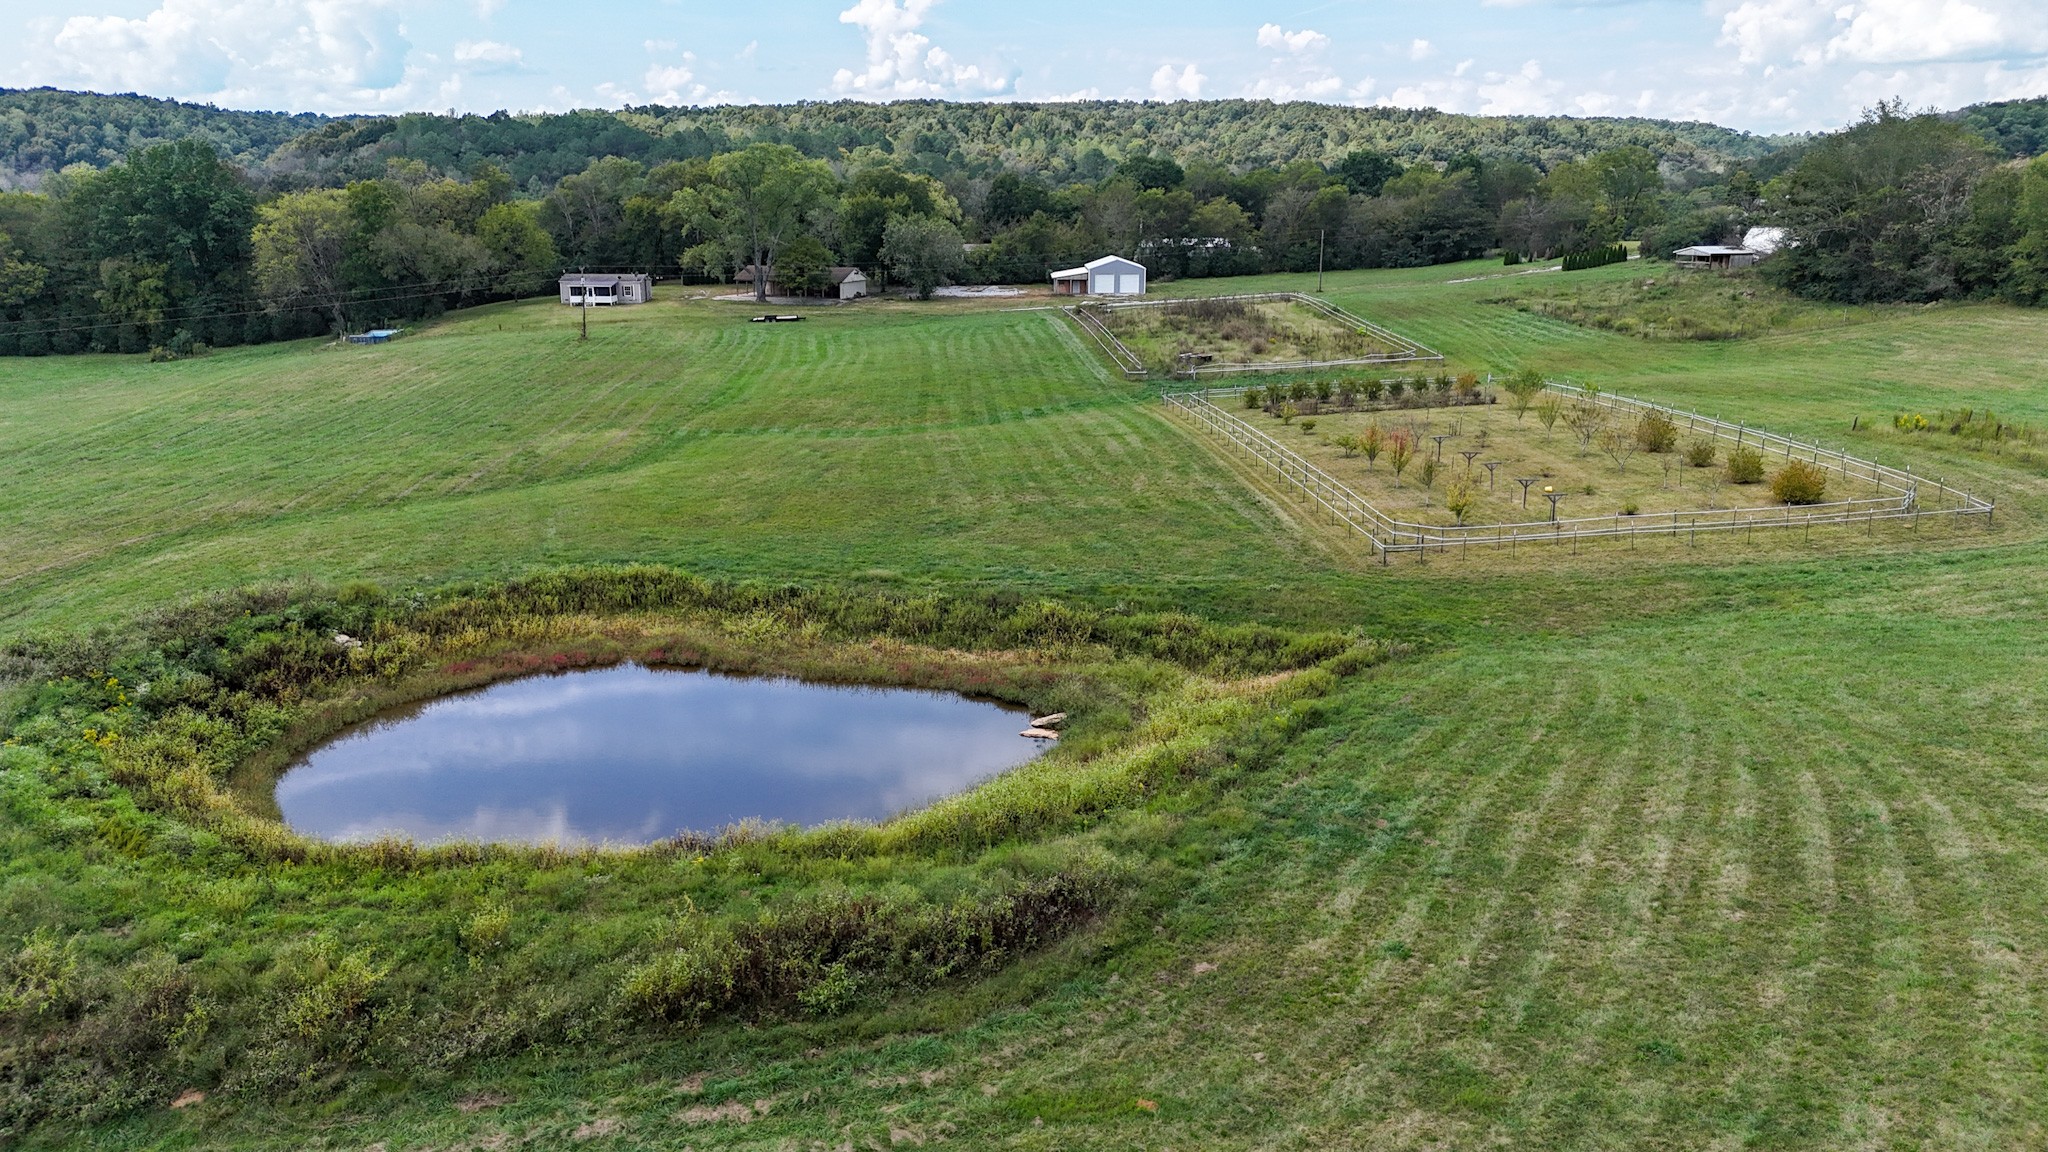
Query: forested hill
1062	143
2018	128
44	129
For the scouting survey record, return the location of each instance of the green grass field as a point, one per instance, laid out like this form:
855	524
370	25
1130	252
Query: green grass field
1733	847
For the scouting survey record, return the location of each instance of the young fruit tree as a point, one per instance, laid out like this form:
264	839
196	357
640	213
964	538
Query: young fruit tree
1460	498
1587	421
1374	439
1523	388
1620	448
1400	452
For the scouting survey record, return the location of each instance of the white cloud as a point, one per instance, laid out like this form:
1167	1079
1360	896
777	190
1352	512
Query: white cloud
675	84
1903	31
1520	93
485	9
1297	75
1185	84
1304	41
1421	50
1762	30
902	62
1313	88
1806	33
314	54
489	53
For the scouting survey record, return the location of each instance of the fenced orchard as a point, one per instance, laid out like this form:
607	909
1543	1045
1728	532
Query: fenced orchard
1206	346
1872	493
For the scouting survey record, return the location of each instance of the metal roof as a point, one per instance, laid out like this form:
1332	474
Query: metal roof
1082	272
1715	250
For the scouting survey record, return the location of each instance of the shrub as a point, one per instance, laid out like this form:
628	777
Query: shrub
1630	508
1288	412
1348	443
1700	454
1297	391
1429	470
1323	390
1745	465
1255	397
1308	425
1799	482
1656	432
1374	389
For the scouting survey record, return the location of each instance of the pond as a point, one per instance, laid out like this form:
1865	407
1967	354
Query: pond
631	754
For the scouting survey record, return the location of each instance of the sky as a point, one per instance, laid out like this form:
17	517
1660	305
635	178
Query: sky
1761	65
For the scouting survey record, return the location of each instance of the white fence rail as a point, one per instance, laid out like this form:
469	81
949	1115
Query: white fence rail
1125	360
1896	494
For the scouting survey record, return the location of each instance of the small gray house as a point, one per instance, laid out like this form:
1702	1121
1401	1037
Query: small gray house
595	288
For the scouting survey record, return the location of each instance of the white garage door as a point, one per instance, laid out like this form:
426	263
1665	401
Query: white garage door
1130	285
1104	285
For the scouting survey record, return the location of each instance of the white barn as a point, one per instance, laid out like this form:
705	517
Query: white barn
1108	276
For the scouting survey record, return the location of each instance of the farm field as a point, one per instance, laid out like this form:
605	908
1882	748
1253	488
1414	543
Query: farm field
1742	848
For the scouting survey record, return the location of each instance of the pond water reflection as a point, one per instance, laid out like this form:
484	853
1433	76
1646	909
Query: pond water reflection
630	754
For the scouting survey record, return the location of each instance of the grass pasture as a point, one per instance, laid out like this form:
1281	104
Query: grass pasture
1701	848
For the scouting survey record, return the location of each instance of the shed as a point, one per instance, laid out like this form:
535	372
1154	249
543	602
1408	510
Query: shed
1715	256
1107	276
851	282
595	288
374	336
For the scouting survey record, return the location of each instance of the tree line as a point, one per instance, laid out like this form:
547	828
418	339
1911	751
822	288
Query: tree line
178	246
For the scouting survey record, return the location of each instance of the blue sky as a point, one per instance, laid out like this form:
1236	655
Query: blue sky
1764	65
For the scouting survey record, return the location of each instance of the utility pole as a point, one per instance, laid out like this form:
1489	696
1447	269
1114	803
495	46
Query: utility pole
1320	234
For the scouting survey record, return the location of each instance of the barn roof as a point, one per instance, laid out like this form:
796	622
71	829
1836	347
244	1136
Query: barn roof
1099	262
1715	250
